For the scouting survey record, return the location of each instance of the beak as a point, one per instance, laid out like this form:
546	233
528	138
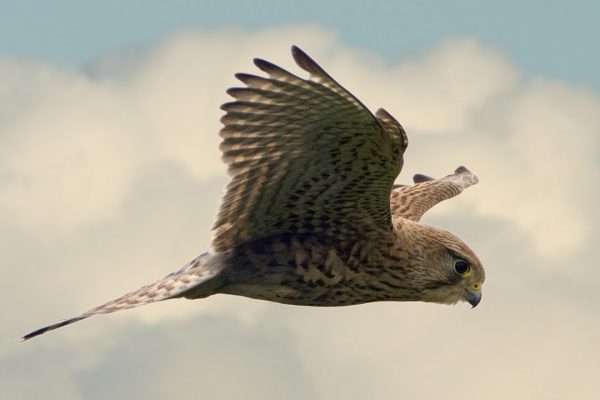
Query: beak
473	298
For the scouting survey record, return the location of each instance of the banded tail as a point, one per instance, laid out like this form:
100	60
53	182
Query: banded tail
172	285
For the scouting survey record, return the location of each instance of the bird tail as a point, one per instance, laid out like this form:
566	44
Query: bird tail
172	285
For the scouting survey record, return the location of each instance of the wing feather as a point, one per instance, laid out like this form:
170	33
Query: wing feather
412	201
305	156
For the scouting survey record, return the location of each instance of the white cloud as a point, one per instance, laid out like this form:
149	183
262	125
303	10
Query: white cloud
550	155
65	154
110	177
442	90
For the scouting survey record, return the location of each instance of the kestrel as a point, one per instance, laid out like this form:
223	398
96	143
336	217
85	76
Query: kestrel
312	216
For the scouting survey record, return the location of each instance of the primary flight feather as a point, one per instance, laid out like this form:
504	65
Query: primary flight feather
311	215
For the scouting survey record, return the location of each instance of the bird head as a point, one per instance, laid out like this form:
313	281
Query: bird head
444	268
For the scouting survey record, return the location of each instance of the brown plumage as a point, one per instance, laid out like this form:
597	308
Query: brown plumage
311	216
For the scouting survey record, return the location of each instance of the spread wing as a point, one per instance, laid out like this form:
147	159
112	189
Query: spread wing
305	157
411	202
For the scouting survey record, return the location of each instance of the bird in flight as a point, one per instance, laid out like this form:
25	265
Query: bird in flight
311	215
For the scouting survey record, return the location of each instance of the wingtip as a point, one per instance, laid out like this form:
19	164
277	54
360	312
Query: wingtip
259	62
305	62
465	173
382	113
266	66
419	178
295	49
242	76
301	58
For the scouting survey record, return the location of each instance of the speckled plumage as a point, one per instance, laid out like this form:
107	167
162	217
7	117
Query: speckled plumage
311	216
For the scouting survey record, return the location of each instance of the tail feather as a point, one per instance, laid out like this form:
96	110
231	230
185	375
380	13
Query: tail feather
172	285
52	327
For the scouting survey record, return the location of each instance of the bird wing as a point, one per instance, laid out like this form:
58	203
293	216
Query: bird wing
411	202
305	156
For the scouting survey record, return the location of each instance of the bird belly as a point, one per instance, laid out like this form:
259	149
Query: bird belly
300	272
301	294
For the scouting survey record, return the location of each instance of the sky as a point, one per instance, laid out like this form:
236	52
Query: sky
110	177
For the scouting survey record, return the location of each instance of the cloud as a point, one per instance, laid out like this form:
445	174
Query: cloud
110	178
73	143
252	361
550	159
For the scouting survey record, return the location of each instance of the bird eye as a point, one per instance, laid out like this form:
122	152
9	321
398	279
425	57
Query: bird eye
461	266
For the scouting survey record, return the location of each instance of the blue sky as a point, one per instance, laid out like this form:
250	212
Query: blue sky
557	39
110	177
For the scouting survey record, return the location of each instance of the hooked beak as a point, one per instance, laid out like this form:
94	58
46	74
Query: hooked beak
473	298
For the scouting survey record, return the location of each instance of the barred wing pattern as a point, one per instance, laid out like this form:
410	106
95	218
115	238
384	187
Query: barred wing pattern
411	202
305	157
